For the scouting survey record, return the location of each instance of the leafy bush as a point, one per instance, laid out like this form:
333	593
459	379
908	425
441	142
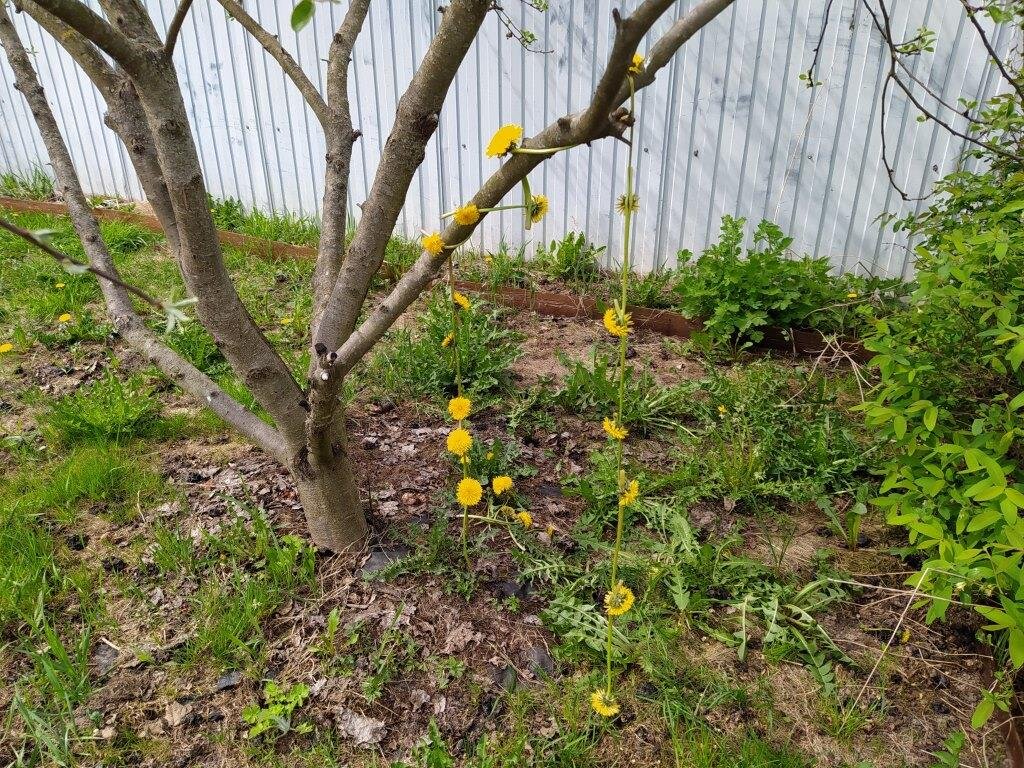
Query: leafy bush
950	400
421	362
572	260
106	411
594	388
738	295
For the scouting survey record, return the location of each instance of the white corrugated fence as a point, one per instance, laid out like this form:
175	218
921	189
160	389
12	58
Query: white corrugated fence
727	128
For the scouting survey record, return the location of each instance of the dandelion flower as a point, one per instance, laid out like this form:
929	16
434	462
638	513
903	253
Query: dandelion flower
459	407
538	207
467	215
65	318
459	441
447	340
722	409
286	320
619	600
637	65
614	430
628	202
615	324
59	285
500	484
604	703
630	494
6	347
525	518
469	492
504	140
461	300
432	244
851	295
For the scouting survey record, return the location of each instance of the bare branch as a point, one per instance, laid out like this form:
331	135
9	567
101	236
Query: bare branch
84	52
94	27
416	119
287	62
175	26
340	137
996	58
64	259
566	129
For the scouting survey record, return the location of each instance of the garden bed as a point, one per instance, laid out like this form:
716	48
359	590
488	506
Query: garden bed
496	654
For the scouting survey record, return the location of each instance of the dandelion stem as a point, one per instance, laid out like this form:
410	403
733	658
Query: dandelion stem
627	222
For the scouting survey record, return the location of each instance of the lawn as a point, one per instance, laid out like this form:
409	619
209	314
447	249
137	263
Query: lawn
160	604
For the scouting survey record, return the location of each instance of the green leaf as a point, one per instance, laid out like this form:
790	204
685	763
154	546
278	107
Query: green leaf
931	417
983	712
899	427
1016	644
302	14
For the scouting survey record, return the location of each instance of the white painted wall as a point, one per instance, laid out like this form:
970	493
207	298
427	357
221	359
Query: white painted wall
727	128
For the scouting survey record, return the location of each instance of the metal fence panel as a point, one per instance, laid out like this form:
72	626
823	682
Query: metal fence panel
727	127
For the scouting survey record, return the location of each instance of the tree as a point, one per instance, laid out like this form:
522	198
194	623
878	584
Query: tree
132	66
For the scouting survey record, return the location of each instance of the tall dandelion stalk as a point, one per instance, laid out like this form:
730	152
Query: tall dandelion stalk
619	598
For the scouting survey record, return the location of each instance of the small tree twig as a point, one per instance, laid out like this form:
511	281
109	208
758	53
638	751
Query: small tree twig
175	27
63	258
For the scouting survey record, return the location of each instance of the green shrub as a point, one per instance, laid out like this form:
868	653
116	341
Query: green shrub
950	400
594	388
572	259
738	295
421	363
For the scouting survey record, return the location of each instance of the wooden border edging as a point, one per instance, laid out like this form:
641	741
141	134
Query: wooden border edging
270	249
663	321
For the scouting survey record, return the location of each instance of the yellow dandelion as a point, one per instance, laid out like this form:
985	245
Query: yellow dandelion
65	318
461	300
851	295
467	215
604	703
538	208
525	518
469	492
617	325
614	430
432	244
59	285
722	409
637	65
459	407
490	455
500	484
619	600
6	347
447	340
287	320
504	140
459	441
628	202
630	494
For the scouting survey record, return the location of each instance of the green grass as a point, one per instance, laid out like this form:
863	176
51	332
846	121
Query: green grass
108	410
248	571
35	184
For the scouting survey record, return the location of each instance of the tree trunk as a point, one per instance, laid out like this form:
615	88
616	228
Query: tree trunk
329	493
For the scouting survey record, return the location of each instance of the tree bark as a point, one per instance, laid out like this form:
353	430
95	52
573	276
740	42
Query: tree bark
330	500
